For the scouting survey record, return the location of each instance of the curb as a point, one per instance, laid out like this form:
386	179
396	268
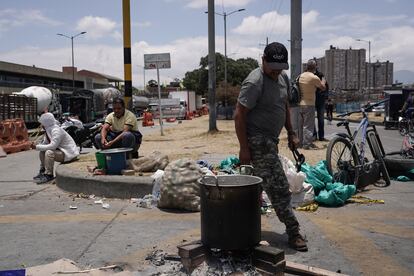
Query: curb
109	186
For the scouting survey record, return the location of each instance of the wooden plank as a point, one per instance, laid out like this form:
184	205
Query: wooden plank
301	269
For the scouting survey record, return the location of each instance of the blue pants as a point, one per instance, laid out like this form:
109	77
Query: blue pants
131	139
320	110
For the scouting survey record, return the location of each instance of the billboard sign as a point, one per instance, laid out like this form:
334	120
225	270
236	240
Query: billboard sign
151	60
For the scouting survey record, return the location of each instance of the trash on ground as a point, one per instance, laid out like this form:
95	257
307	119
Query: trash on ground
157	176
106	205
308	208
148	201
327	193
364	200
72	207
134	200
229	165
91	196
98	201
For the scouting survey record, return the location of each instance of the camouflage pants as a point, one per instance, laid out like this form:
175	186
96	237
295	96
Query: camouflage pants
266	163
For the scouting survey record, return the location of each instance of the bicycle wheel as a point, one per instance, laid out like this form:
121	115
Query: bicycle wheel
376	151
341	154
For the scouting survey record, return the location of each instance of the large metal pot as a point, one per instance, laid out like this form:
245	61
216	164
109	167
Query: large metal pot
230	211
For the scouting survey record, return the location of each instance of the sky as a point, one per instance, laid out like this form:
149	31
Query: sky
28	31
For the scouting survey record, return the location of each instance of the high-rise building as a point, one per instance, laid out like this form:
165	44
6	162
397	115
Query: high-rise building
347	69
379	74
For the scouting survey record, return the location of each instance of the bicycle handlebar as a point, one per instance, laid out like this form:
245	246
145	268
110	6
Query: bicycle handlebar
365	108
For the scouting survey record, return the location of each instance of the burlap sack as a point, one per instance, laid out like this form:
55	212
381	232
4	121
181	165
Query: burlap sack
179	187
155	161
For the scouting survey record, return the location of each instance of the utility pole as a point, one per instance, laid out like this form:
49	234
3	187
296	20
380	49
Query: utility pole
127	53
225	14
73	57
211	68
295	38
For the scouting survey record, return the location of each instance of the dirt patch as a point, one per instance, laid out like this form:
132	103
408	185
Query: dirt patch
191	139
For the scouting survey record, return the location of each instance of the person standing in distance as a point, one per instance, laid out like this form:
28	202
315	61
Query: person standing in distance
308	83
261	112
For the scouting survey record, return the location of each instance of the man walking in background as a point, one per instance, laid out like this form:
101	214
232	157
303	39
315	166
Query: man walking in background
308	83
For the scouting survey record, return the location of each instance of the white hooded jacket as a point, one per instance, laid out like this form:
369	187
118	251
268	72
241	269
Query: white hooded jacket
59	138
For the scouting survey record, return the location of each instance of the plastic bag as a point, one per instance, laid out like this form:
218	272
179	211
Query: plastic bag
157	176
335	194
229	164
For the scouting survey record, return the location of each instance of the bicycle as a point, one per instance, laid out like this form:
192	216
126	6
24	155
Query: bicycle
344	153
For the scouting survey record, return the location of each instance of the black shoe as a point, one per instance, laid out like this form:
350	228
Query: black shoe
40	174
323	140
45	178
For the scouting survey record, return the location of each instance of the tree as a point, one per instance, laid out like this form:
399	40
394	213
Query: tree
237	71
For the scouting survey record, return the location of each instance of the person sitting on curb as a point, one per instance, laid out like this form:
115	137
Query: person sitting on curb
120	130
57	146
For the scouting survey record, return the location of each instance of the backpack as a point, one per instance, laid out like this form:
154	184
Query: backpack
294	94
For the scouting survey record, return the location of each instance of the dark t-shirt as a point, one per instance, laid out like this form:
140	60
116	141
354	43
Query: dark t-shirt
266	99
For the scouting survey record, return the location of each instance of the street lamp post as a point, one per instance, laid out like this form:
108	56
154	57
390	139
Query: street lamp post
225	48
369	61
73	59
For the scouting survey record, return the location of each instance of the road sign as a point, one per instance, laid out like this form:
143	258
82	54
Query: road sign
151	60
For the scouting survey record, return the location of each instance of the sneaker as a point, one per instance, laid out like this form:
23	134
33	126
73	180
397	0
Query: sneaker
45	178
39	175
298	243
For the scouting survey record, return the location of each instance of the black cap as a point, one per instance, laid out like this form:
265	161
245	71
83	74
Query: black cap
276	56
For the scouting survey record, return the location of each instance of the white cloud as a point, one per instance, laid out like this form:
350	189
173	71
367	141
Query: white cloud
197	4
273	23
96	26
10	18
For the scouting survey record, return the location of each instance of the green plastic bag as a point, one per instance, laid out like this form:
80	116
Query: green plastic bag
335	194
317	176
229	164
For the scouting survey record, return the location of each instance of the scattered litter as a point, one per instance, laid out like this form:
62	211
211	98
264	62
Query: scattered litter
98	201
106	205
308	208
91	196
148	201
403	178
157	176
134	200
73	207
156	257
364	200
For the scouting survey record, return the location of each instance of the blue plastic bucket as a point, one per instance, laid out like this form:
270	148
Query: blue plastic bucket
115	160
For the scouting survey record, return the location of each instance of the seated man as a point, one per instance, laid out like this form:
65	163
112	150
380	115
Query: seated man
120	130
57	145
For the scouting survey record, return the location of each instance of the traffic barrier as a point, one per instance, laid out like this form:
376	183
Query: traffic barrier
147	119
14	136
188	115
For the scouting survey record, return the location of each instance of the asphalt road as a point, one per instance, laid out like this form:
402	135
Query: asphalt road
37	226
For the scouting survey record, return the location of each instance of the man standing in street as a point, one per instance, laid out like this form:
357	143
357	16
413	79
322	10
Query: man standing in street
308	83
320	97
261	112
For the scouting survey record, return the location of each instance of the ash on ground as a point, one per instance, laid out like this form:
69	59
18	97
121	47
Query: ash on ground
218	264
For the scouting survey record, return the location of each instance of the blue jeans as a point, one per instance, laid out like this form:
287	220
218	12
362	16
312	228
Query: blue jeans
131	139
